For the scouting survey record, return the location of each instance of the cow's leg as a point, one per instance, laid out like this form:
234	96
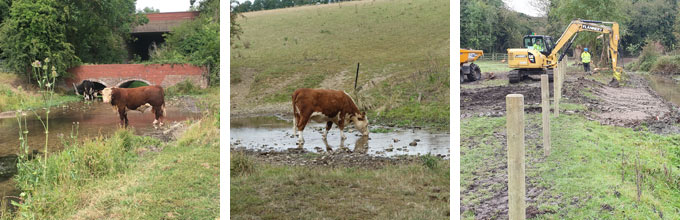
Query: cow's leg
123	117
302	122
296	118
341	125
329	124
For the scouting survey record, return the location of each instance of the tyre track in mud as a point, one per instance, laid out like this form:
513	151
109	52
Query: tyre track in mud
490	101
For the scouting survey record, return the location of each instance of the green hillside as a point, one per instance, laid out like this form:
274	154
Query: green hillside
403	48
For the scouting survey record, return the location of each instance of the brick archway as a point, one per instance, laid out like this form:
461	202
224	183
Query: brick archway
164	75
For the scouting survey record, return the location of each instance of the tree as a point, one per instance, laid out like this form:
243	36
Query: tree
196	42
36	30
147	10
477	25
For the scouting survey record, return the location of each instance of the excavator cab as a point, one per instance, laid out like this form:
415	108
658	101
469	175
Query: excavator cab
542	43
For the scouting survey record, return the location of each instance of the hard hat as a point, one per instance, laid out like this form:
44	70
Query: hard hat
585	49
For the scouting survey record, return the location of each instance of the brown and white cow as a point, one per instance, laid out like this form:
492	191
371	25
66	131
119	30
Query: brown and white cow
326	106
140	98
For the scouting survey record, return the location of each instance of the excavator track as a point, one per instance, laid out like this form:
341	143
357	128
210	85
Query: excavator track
514	77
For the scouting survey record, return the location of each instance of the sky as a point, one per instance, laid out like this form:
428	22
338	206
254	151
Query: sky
164	5
523	6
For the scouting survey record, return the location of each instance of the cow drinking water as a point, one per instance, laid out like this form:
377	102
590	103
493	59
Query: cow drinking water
124	99
326	106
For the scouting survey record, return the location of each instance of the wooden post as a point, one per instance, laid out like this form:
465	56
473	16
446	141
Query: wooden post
545	106
515	138
356	78
556	87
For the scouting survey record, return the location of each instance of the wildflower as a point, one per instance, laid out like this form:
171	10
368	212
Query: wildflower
37	63
54	73
47	60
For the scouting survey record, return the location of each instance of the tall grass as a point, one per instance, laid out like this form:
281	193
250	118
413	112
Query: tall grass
127	176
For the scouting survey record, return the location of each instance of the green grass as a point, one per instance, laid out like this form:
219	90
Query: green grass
585	166
492	66
122	177
419	190
403	48
14	98
414	114
136	84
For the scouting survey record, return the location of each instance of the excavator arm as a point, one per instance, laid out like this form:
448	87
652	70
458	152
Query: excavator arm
579	25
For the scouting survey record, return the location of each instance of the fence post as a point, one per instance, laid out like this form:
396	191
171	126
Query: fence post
556	86
545	106
515	138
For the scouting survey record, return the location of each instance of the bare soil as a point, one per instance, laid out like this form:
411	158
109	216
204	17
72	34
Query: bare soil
631	105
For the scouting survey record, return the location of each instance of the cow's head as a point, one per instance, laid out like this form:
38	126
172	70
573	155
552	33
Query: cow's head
360	122
106	95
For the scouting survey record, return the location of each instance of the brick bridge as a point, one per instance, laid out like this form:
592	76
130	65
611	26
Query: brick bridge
121	75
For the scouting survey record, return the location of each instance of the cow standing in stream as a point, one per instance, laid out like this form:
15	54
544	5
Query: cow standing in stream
326	106
140	98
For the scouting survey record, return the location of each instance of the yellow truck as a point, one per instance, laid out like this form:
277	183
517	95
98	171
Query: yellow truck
469	71
539	55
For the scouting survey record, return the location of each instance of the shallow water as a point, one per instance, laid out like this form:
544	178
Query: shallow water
275	133
93	118
666	87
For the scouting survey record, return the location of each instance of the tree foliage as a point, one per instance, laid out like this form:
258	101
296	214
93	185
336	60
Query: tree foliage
490	26
197	41
66	31
36	30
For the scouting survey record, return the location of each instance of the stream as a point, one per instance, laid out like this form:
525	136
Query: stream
275	133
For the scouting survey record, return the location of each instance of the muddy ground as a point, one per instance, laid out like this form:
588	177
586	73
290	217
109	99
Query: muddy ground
633	105
343	157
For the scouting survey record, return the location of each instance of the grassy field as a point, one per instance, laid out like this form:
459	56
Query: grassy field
419	190
403	48
591	173
126	176
492	66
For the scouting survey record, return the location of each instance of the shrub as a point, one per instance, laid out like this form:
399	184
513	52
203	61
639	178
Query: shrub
430	161
183	88
667	65
648	57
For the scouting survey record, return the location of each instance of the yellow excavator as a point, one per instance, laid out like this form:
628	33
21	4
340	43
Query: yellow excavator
539	55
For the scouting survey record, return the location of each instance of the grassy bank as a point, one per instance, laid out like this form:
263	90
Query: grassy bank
14	95
419	190
403	48
590	174
126	176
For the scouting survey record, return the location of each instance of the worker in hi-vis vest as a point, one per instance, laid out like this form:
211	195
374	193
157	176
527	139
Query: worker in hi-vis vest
585	58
